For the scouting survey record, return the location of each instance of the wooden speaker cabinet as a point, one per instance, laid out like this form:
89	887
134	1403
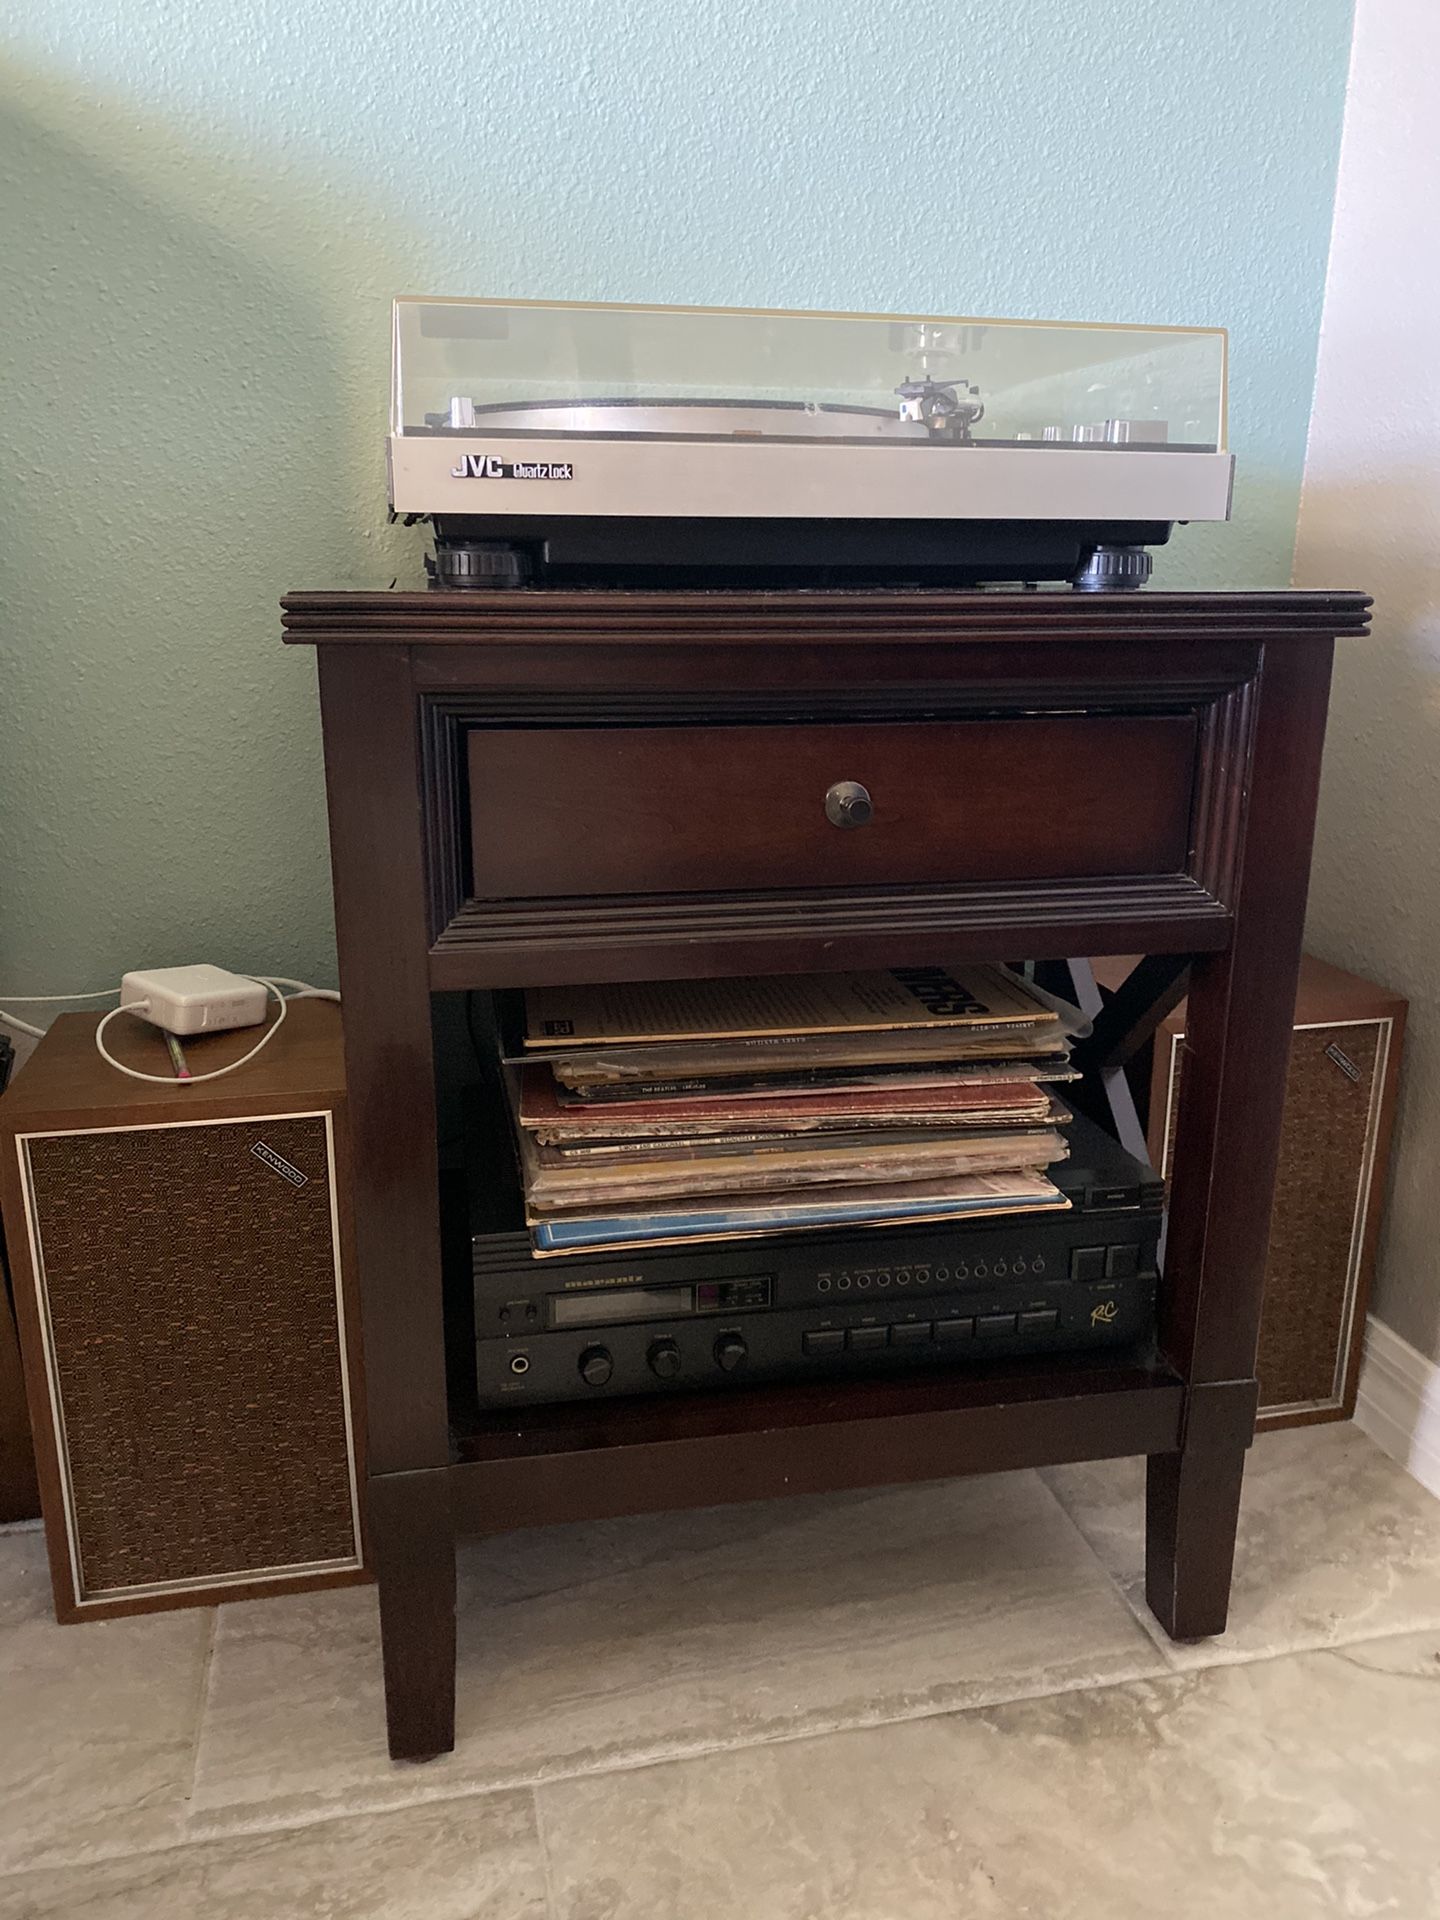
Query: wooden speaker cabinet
19	1490
1329	1194
19	1493
181	1271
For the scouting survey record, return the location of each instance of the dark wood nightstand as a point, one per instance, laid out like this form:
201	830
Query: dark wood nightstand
533	787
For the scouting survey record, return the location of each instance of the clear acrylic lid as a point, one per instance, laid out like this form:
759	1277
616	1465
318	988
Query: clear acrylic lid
518	367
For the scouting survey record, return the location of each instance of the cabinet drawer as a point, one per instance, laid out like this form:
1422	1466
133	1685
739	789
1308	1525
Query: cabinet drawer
705	808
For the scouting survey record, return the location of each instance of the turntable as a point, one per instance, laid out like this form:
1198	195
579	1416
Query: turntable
609	445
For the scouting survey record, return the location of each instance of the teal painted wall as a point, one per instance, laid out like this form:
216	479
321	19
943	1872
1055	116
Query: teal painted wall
206	209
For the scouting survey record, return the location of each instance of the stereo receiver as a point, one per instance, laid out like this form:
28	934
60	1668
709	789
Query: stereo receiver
826	1303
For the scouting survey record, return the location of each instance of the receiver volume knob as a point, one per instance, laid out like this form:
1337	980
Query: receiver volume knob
730	1351
663	1359
596	1366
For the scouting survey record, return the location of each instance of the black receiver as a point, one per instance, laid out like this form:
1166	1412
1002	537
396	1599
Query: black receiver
799	1305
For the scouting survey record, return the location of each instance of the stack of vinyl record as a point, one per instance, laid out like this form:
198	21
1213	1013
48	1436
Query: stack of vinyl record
674	1111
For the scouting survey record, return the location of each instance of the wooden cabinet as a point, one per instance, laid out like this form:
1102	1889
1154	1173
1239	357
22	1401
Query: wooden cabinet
535	787
19	1489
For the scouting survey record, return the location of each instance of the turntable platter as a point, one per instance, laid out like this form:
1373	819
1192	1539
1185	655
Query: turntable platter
681	419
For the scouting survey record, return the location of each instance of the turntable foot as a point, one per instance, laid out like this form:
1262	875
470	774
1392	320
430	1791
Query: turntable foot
1113	570
477	566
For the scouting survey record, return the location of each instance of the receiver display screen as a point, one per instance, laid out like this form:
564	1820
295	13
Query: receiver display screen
607	1309
626	1303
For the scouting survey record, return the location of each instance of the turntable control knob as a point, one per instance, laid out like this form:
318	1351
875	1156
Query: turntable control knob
730	1351
596	1366
664	1359
848	804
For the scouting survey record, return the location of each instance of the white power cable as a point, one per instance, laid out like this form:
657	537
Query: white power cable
273	982
44	1000
50	999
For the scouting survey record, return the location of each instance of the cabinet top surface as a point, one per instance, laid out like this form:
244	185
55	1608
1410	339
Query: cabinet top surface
751	618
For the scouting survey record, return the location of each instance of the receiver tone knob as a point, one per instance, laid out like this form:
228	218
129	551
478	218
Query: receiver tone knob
730	1351
596	1366
847	804
663	1359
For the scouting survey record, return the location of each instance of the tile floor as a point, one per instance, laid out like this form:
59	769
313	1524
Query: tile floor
941	1701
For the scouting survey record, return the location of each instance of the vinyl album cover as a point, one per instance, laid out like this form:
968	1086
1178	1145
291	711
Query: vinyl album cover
764	1007
952	1103
728	1217
554	1184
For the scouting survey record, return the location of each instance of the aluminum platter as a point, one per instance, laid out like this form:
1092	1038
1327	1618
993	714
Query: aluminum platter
698	418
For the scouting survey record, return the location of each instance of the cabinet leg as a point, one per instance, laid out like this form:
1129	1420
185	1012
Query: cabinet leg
413	1550
1192	1509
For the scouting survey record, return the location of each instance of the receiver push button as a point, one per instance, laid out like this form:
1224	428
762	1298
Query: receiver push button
991	1326
910	1333
866	1339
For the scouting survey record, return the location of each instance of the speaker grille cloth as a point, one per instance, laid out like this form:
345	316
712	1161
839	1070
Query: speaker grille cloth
1308	1267
191	1296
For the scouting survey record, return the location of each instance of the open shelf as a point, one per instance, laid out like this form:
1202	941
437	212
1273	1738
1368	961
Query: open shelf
540	1465
523	1463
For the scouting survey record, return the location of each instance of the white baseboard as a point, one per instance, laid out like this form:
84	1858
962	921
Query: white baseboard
1399	1403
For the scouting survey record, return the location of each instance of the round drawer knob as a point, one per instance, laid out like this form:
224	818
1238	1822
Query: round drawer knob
847	804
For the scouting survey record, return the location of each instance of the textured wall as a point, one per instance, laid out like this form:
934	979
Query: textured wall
1371	518
207	208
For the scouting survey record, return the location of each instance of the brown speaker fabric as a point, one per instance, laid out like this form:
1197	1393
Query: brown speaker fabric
1304	1329
189	1282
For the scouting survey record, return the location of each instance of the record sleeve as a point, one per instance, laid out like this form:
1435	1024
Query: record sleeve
864	1059
718	1146
554	1184
731	1218
762	1008
794	1110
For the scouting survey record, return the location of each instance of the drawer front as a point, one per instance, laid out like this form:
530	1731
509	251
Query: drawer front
703	809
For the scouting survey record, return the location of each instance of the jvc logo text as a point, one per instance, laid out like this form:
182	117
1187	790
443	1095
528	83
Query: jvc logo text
484	466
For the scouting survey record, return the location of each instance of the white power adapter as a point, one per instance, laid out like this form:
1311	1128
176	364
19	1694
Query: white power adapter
185	1000
188	1000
